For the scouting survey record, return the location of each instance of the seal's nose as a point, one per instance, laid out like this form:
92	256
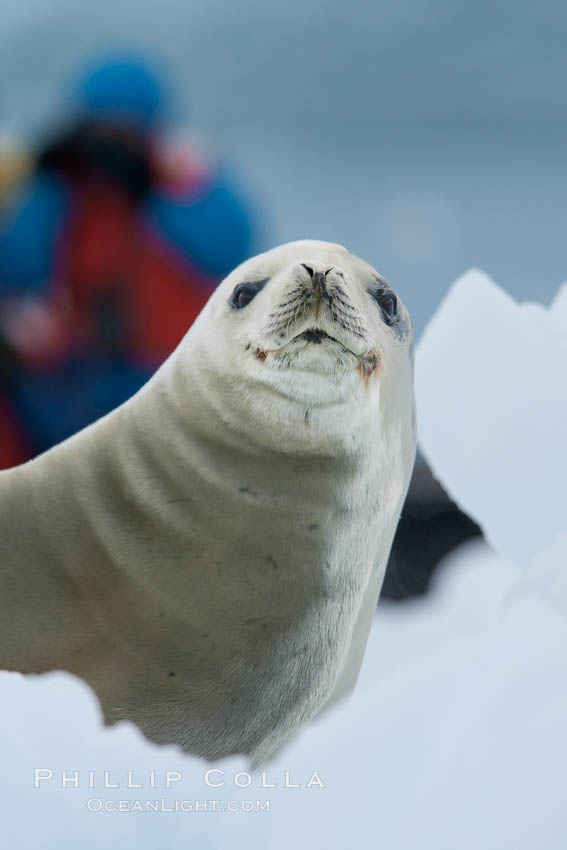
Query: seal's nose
317	278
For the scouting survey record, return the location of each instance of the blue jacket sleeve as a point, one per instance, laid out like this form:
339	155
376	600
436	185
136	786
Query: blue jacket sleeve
212	230
28	234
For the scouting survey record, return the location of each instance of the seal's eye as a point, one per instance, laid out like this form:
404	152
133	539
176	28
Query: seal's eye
388	304
244	293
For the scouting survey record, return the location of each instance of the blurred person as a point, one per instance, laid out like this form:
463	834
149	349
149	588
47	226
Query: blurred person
108	255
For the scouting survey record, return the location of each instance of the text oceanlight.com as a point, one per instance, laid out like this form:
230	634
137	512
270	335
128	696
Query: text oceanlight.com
162	805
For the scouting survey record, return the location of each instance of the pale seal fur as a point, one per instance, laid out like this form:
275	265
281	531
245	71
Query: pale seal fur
208	557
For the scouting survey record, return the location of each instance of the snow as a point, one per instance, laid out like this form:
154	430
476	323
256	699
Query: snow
492	410
454	737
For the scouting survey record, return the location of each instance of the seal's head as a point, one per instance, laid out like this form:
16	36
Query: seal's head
310	323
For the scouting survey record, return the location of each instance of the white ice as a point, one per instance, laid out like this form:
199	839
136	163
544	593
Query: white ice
492	407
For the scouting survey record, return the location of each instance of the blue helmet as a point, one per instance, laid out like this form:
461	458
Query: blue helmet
123	89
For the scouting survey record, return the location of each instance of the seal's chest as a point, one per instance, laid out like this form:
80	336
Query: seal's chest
267	608
267	674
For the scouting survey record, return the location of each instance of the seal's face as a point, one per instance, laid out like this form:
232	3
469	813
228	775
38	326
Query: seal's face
305	333
312	306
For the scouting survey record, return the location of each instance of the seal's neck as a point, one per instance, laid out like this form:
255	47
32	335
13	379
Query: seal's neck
256	409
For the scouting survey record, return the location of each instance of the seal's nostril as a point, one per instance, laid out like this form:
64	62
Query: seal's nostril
308	269
329	270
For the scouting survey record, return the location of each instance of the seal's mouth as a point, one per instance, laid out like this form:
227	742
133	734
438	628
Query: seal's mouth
367	360
315	335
